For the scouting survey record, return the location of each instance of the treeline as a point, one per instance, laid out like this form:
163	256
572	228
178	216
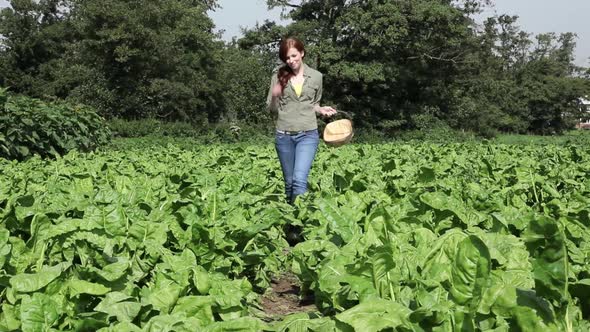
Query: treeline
393	64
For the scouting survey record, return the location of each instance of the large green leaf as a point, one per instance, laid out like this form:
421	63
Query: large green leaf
528	321
84	287
9	317
381	222
198	307
119	305
168	323
295	323
437	260
114	271
201	280
112	218
30	282
333	276
244	324
340	223
144	230
441	202
5	246
384	280
38	313
120	327
178	267
162	295
546	244
470	272
304	322
510	302
502	288
376	315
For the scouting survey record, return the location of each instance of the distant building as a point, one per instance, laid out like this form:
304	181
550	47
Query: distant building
585	122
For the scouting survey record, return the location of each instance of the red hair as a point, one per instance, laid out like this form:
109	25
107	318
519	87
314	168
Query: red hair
285	72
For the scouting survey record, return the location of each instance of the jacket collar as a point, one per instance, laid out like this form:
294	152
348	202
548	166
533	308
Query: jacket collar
306	70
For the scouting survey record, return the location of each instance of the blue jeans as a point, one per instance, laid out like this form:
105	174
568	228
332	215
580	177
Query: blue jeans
296	153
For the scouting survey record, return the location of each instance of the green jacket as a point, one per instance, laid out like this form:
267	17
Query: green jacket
297	113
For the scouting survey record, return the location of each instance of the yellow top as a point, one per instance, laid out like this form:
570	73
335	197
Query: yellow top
292	112
298	88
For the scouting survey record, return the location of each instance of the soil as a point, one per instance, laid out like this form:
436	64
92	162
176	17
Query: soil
282	298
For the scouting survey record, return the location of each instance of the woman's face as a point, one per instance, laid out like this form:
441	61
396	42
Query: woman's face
294	58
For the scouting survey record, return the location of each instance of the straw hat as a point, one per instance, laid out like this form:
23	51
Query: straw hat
338	132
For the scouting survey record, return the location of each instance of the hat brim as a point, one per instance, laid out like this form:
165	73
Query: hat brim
340	141
338	133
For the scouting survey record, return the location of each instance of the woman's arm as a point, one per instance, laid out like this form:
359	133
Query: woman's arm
273	98
323	110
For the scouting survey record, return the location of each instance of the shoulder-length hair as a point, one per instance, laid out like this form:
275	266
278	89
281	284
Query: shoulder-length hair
285	72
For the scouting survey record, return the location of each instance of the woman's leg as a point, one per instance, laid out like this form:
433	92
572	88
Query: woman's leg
285	147
305	149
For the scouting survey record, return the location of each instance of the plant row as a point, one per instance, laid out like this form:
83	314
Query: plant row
421	237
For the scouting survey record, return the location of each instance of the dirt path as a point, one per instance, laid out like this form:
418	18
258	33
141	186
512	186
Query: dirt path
283	298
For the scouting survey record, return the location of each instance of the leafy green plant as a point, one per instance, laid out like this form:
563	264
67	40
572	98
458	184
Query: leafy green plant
412	237
222	132
32	127
151	127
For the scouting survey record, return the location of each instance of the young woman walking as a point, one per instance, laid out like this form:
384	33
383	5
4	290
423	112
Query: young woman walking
295	93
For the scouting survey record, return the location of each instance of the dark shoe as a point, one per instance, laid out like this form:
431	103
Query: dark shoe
293	234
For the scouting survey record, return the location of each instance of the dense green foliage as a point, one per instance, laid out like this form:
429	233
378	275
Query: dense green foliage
413	237
246	77
35	38
396	65
158	131
173	232
131	59
138	235
32	127
151	127
576	137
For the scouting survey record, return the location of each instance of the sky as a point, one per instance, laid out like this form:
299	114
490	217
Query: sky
535	16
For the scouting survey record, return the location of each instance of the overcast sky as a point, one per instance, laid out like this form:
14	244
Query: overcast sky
535	16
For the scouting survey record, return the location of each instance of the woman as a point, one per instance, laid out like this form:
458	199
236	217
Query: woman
295	93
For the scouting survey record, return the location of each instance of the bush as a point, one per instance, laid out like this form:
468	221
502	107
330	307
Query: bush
222	132
133	128
368	135
30	127
438	134
238	132
151	127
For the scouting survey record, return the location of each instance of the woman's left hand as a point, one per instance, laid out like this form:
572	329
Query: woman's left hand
327	111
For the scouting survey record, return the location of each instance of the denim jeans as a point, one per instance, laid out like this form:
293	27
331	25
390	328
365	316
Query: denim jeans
296	153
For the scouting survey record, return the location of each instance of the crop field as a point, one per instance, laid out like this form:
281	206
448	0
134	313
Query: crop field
395	237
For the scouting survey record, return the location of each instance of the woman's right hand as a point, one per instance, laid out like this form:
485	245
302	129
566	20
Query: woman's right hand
277	90
327	111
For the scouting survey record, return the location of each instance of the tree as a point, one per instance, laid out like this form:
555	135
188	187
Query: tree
150	58
552	84
35	35
127	58
246	77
